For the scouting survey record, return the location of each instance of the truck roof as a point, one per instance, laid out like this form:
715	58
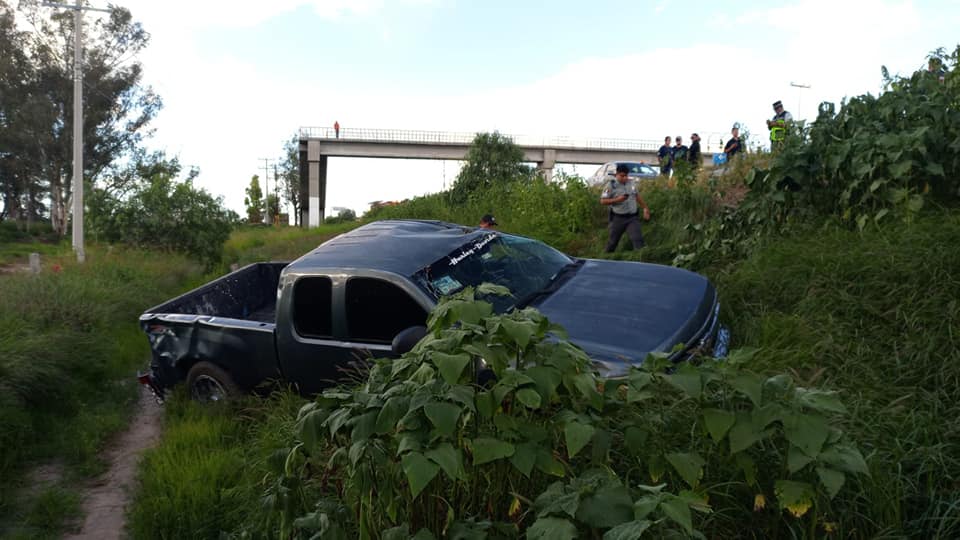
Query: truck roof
401	246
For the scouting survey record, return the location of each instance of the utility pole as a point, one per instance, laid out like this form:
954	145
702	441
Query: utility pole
77	122
276	191
266	185
800	88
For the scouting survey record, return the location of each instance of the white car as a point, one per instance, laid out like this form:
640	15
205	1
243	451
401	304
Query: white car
638	171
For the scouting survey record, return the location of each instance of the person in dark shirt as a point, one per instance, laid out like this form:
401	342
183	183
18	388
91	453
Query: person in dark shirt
734	145
666	157
680	150
694	154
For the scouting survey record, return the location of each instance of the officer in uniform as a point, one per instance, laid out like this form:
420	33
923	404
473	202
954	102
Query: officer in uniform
622	196
778	125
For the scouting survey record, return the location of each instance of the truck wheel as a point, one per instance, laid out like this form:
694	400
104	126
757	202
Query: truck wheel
208	382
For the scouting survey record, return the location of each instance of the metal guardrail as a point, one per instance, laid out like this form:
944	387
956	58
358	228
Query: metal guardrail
459	139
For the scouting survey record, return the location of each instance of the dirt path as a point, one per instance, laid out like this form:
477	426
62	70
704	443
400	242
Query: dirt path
105	500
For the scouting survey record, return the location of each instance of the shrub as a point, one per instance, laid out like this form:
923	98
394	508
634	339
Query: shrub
549	448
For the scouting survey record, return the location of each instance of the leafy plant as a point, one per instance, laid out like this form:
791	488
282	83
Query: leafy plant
429	443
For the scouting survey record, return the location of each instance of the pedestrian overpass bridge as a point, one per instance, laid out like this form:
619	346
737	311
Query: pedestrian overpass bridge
317	144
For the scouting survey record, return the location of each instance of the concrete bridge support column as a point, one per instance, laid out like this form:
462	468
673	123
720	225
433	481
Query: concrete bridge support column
317	185
546	166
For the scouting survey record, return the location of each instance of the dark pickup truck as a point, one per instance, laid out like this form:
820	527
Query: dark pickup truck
308	321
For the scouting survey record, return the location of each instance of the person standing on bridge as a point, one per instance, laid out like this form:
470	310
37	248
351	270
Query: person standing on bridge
666	156
622	196
336	129
694	154
735	144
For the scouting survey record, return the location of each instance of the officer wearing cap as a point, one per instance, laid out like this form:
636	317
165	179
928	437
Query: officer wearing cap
622	196
778	124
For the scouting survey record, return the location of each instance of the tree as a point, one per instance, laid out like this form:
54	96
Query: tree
290	175
254	201
161	212
492	159
117	107
273	202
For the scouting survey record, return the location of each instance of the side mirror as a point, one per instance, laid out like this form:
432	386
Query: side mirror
407	339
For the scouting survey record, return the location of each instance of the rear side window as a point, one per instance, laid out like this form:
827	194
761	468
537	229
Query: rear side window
311	307
378	310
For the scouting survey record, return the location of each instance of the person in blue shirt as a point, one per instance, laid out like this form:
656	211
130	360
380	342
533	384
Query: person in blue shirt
666	156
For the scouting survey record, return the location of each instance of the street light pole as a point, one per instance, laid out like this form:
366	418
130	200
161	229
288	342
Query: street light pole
77	122
799	93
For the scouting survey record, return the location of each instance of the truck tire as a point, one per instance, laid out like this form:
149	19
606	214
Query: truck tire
208	382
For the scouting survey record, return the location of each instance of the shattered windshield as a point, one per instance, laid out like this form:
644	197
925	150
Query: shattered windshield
520	264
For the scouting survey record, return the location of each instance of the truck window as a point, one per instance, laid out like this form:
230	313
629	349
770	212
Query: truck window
378	310
311	307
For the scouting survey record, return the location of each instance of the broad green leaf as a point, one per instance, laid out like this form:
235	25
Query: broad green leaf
443	416
551	528
635	439
600	447
491	289
529	397
364	426
546	379
463	395
657	466
472	312
607	507
310	427
409	441
883	212
900	169
586	385
337	420
796	459
548	464
424	374
687	379
519	331
831	479
718	422
934	168
820	400
558	503
795	497
419	470
525	457
742	435
915	203
449	459
645	505
806	431
393	410
677	510
846	458
450	365
689	466
401	532
632	530
485	404
577	435
486	450
750	385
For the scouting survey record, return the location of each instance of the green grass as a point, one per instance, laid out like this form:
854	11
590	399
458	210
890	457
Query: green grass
875	315
207	476
69	349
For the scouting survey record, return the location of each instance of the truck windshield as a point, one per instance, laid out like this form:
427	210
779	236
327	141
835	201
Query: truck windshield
524	266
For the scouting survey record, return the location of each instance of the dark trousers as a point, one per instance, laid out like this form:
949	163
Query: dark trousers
620	223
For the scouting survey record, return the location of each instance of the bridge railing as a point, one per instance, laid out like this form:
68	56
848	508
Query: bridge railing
454	138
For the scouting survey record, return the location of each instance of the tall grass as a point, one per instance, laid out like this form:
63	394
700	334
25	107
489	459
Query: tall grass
206	478
69	350
876	315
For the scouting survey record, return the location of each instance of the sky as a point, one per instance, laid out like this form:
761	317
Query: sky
239	78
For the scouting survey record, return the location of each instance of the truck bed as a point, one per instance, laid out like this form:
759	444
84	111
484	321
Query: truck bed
248	294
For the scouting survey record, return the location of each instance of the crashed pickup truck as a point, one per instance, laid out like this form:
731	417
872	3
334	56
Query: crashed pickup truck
356	296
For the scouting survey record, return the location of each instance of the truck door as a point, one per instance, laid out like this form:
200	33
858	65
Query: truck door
376	311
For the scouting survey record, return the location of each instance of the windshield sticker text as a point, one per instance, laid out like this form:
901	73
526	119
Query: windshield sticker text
473	249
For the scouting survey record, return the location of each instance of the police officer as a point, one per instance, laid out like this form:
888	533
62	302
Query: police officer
778	124
622	196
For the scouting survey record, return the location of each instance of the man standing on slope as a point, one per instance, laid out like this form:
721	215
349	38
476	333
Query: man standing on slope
622	197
